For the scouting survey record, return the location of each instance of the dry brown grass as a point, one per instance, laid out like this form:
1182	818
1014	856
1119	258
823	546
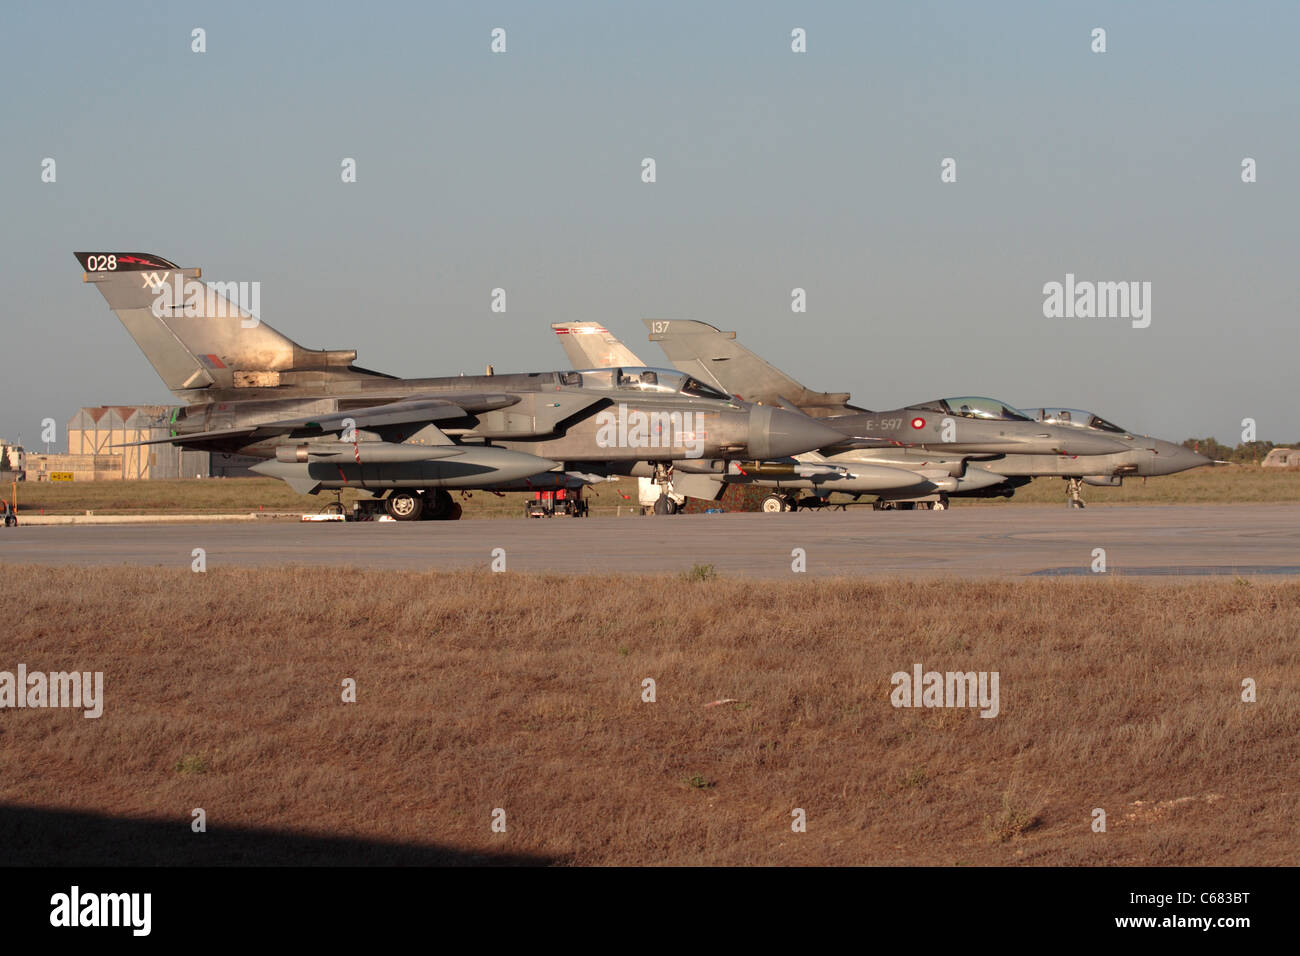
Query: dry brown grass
479	691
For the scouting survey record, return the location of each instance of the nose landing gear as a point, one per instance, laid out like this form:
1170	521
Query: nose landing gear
1073	487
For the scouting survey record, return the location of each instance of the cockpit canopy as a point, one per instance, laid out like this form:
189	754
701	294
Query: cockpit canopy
974	407
1073	416
660	380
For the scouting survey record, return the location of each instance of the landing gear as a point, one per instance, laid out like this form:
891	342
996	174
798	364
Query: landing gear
404	505
439	506
940	505
774	503
1073	487
665	506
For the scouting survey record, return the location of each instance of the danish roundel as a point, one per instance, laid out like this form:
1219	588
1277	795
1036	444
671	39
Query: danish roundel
918	422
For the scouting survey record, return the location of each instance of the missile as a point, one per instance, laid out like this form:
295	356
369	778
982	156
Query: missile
789	468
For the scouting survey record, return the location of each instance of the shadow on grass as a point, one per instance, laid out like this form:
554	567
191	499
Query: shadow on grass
32	836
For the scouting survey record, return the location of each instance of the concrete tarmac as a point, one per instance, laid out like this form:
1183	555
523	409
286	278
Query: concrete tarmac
1177	540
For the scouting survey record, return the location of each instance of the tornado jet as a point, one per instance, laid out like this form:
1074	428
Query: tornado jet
915	456
320	422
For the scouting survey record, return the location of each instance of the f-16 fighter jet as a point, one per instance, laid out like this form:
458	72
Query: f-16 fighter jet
1109	454
321	422
1145	457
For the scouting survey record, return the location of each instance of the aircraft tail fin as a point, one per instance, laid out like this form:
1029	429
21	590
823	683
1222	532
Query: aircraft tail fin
715	357
591	345
204	338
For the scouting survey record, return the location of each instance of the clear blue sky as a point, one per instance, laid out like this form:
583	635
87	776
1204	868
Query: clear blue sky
775	170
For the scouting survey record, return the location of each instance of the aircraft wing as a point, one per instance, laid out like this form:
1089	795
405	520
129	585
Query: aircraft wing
407	415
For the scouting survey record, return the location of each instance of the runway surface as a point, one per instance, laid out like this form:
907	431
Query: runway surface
1170	540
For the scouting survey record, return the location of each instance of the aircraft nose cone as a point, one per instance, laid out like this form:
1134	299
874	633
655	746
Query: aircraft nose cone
1187	459
778	433
1169	459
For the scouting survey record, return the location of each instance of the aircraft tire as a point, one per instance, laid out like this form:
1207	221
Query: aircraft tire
403	505
438	505
774	503
665	506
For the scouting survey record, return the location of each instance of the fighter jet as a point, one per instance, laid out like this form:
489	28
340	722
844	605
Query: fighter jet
1106	457
321	422
933	442
1143	458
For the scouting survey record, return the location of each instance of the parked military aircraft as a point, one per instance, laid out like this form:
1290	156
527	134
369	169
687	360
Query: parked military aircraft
1144	457
934	443
323	423
1109	455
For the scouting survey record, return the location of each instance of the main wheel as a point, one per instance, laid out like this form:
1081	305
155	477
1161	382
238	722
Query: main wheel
438	505
665	506
774	503
940	505
404	505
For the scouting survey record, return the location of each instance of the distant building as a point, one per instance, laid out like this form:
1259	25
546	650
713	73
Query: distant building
109	430
100	448
16	466
1282	458
42	467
